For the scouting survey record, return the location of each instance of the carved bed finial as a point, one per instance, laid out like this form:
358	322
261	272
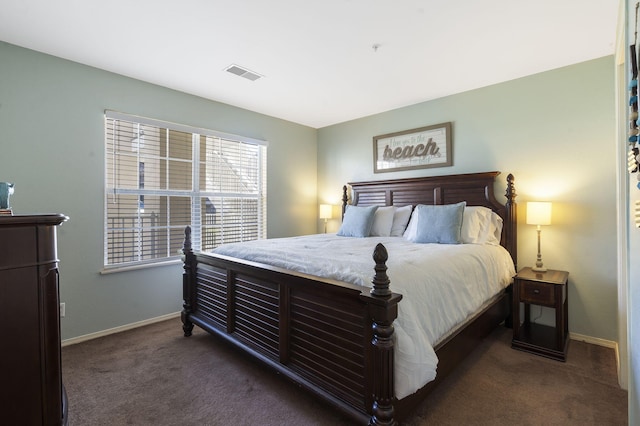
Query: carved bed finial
186	247
381	279
511	190
345	200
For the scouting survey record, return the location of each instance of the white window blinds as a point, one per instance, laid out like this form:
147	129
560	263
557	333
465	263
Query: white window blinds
161	177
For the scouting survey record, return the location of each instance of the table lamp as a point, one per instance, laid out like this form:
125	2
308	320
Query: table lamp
326	211
539	213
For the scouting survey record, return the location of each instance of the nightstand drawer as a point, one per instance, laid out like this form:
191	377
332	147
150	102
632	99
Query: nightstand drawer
537	293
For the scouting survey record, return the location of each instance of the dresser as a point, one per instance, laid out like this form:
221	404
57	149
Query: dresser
31	390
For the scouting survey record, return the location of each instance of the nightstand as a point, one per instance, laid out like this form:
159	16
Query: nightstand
543	289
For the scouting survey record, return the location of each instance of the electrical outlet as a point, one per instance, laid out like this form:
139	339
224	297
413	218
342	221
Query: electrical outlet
62	310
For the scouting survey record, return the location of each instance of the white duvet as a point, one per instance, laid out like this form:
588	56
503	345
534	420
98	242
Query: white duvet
441	284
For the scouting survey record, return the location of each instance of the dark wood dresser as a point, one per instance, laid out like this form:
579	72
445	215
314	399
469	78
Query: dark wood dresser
31	390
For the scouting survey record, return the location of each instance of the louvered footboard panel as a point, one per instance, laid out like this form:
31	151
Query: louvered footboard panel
257	313
327	345
211	294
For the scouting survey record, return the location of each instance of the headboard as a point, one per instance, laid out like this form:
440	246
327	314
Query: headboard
477	189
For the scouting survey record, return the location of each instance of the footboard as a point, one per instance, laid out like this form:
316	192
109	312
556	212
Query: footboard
332	338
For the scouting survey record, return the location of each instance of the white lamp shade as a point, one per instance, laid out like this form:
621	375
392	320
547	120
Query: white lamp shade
326	211
538	213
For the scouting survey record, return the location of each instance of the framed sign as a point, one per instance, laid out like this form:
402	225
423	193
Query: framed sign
413	149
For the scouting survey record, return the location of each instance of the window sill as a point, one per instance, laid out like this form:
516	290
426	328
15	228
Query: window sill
115	269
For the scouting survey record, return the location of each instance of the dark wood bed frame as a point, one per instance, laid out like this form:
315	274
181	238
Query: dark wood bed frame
333	338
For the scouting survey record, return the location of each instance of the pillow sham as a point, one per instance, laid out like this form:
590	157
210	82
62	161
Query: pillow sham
439	223
357	221
382	221
495	229
400	220
476	221
412	227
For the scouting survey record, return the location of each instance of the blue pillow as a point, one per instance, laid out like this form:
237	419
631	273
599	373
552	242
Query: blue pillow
439	224
357	221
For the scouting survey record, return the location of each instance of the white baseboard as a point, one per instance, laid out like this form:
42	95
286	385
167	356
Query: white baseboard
594	340
91	336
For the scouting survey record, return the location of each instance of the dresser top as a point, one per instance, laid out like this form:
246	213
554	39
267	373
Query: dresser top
40	219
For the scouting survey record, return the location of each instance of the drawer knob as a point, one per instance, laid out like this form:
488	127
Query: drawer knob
536	291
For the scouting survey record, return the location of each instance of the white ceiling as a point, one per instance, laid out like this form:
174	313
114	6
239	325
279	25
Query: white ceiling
317	57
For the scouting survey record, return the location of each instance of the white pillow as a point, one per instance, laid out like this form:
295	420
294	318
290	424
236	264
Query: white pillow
476	222
412	228
400	220
382	221
495	230
481	225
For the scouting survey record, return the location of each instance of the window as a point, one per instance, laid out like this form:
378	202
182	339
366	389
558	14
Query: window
161	177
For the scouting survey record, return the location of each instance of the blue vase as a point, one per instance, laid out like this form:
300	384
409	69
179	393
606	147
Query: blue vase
6	189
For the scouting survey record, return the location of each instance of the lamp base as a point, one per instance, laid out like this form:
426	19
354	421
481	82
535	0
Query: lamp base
539	269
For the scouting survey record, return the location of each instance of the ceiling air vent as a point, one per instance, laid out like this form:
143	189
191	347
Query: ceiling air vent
243	72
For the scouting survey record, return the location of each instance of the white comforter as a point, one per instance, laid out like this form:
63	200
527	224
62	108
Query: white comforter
441	284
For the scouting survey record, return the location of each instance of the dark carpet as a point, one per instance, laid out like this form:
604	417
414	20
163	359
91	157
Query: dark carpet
154	376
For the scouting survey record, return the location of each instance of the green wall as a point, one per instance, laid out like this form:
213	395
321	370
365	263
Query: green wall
555	131
52	148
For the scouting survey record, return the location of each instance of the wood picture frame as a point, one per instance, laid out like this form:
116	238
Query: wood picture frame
420	148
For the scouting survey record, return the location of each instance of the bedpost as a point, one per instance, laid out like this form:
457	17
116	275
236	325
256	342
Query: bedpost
511	220
345	200
187	282
384	310
381	279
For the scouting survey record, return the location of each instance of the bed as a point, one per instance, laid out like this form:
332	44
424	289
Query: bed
330	336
